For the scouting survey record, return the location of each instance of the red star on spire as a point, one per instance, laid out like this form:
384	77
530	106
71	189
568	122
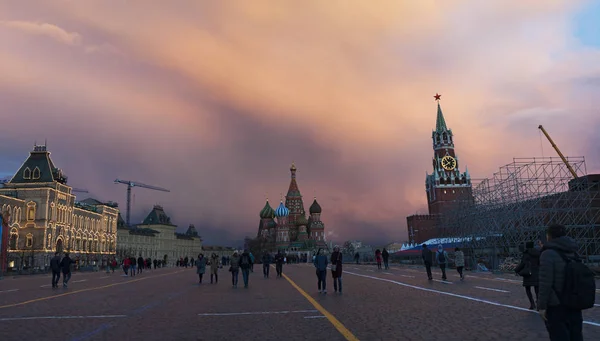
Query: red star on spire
437	96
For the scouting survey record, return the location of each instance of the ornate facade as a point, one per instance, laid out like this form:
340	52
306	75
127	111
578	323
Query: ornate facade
156	238
287	227
447	187
42	216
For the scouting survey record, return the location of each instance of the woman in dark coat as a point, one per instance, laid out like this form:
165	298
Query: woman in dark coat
529	269
336	269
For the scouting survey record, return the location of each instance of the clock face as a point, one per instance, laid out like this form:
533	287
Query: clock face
448	162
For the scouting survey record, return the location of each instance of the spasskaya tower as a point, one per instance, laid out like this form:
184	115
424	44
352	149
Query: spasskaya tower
446	187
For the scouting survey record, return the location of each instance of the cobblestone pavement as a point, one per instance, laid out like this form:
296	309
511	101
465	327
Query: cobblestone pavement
168	304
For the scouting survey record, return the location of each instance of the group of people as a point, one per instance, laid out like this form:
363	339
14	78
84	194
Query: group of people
61	265
442	259
243	262
321	262
133	266
563	285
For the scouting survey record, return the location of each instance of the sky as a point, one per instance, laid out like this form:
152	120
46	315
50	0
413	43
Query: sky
215	99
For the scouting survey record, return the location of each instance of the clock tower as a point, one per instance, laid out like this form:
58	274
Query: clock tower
446	187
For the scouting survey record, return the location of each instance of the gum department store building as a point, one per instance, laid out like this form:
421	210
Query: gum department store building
41	216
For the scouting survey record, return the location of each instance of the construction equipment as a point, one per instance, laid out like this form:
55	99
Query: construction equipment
130	185
562	157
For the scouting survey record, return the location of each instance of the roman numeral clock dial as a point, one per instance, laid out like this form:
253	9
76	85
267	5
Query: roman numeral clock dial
448	163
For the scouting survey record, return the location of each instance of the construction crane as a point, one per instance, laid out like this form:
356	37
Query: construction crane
130	185
79	190
563	158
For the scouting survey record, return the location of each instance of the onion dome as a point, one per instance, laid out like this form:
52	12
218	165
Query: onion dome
267	211
315	207
282	211
302	221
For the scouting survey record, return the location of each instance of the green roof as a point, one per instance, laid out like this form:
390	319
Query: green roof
157	217
38	168
440	123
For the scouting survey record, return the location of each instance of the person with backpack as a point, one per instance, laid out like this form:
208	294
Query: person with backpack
442	259
529	269
245	264
567	286
234	268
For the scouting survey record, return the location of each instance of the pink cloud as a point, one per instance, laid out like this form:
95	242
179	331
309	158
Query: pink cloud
215	100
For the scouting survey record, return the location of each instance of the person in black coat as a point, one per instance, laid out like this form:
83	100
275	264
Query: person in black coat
529	269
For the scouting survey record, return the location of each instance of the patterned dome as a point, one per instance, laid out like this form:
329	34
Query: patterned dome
267	211
302	221
282	211
315	207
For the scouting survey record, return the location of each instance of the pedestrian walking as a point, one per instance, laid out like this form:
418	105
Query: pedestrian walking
378	258
214	268
266	261
357	257
321	269
126	265
234	268
140	263
427	256
251	262
385	255
442	259
459	261
529	269
133	266
65	266
55	267
246	266
279	263
336	269
200	267
567	286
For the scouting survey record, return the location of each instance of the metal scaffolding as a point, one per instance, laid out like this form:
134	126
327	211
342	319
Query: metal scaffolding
518	202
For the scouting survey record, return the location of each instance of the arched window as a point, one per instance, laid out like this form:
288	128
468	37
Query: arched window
29	240
31	211
27	174
14	239
36	173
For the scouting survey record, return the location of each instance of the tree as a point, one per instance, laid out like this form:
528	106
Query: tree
348	248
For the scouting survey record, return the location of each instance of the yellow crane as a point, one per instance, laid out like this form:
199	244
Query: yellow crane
564	159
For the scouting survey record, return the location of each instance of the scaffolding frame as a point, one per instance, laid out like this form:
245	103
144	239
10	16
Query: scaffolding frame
518	202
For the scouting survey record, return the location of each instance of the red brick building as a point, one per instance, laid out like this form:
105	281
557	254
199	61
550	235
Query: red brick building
446	187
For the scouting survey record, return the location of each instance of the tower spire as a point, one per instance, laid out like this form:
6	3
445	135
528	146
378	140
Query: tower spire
440	123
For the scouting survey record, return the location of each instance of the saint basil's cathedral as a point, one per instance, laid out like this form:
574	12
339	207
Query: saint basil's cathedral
287	227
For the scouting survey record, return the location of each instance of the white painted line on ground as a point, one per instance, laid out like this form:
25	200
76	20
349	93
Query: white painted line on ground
498	290
104	277
596	305
508	280
445	282
370	270
314	317
409	276
81	280
456	295
259	313
387	273
11	290
45	285
60	317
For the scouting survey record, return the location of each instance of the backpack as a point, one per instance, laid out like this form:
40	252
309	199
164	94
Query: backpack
441	257
245	260
579	289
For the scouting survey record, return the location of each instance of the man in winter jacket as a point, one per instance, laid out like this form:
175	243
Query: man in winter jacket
55	266
561	323
427	260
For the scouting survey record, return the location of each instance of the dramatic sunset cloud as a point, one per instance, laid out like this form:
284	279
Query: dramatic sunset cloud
215	99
